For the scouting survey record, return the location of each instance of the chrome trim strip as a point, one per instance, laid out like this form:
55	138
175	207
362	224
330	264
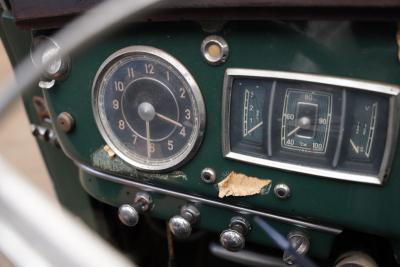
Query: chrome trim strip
188	197
393	122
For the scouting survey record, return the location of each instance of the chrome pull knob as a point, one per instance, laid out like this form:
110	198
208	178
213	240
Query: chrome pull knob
129	214
234	238
300	243
181	225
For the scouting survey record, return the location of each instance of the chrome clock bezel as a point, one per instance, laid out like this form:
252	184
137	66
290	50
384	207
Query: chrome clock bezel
198	99
392	132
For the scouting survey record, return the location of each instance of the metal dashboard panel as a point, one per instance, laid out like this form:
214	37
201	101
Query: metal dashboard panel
356	50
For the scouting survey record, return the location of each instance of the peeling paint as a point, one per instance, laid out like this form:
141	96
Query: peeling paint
238	184
101	159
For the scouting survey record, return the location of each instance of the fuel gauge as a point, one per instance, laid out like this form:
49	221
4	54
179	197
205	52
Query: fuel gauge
363	129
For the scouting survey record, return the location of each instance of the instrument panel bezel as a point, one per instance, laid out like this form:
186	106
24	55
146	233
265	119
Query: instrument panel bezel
393	91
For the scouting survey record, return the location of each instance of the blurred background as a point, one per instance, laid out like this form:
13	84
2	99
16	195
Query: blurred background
17	145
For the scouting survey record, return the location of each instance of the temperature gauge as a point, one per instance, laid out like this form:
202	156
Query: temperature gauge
363	129
253	102
306	120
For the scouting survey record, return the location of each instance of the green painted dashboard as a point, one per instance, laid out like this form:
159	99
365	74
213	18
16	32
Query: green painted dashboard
323	207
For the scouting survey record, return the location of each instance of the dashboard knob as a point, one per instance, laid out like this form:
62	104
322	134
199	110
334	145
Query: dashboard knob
233	239
181	225
299	242
129	214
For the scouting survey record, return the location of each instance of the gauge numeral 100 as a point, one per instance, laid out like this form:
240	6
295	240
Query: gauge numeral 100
318	146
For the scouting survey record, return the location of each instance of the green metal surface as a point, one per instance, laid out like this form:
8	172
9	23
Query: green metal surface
356	50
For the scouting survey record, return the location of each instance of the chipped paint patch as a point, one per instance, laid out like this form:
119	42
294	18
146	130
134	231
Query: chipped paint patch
101	159
110	152
238	184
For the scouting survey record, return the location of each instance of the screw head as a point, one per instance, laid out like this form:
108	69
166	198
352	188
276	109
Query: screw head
65	122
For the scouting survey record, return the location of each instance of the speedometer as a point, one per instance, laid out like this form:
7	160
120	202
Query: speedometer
148	108
306	120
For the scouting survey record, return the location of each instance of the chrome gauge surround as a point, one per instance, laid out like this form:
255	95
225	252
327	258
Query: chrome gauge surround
181	77
391	92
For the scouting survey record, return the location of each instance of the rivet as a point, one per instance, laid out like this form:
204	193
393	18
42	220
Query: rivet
65	122
282	191
208	175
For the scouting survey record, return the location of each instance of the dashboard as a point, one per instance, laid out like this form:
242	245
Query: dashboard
174	109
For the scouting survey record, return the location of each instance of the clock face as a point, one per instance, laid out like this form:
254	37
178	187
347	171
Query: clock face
148	108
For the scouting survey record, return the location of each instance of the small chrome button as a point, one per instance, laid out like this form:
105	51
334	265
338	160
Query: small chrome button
282	191
208	175
215	50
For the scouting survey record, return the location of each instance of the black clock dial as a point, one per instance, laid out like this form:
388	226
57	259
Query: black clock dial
148	108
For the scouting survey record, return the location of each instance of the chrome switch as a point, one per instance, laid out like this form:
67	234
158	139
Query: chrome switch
234	238
181	225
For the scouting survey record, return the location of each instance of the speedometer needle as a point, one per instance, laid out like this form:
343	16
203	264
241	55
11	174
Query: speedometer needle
293	131
168	119
148	139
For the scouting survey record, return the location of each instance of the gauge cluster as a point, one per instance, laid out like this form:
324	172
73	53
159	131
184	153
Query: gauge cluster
325	126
